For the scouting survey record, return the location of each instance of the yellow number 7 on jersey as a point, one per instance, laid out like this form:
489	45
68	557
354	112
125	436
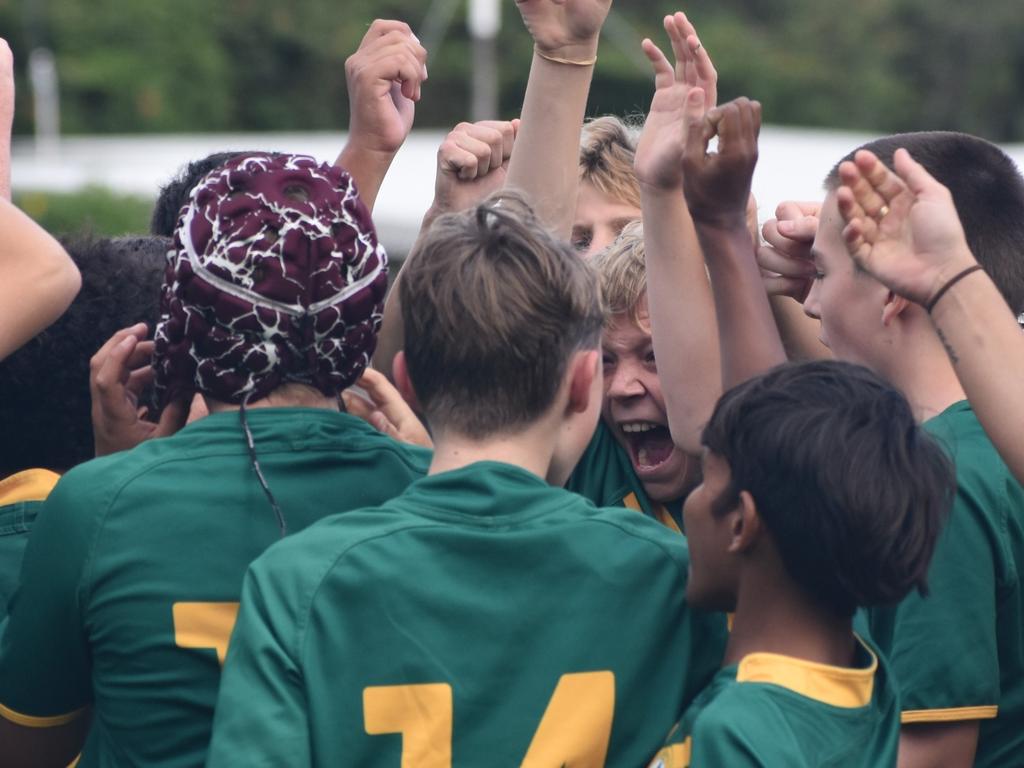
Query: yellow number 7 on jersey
204	625
575	729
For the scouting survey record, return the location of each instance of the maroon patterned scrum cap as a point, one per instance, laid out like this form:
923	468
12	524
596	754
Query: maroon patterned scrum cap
276	276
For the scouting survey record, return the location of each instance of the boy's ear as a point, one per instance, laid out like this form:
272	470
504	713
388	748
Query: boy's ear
894	306
403	383
745	525
582	370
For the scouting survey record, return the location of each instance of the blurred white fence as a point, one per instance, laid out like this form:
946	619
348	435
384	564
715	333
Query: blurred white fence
793	163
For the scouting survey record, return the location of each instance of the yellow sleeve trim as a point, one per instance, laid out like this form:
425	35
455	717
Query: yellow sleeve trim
952	715
30	485
30	721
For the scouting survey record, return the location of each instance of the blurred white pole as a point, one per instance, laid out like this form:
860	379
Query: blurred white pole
484	24
42	74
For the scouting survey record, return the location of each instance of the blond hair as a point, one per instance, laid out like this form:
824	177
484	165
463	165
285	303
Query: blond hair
494	306
622	273
607	149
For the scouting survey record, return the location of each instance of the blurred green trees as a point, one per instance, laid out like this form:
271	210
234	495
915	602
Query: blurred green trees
196	65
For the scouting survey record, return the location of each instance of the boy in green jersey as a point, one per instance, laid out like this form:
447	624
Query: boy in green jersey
478	618
46	403
820	495
970	681
632	459
958	655
131	580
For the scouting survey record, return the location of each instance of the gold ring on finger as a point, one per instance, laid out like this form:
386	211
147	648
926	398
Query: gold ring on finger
883	212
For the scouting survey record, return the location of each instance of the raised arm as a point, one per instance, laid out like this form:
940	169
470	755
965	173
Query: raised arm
472	164
6	117
684	329
787	271
915	245
545	166
717	187
384	79
38	280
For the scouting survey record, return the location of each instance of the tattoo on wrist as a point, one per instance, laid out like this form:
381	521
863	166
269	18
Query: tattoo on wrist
954	358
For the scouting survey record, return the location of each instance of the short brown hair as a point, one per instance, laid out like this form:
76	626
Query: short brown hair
988	192
493	307
622	273
606	159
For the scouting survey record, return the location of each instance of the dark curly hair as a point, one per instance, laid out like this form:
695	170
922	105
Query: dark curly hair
175	193
44	386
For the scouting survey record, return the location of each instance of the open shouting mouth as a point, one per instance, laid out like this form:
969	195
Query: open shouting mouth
650	445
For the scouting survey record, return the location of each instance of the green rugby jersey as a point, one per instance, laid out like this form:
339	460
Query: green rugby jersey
605	476
133	573
958	654
483	618
771	710
21	496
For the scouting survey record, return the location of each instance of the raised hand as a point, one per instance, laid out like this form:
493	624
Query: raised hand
6	117
384	76
785	256
472	164
717	184
118	373
682	94
902	227
385	410
566	29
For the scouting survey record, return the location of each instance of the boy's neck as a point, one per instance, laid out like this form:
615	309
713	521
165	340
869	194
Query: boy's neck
291	395
531	449
777	618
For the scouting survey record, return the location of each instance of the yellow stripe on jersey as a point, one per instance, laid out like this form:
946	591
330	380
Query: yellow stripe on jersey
666	519
674	756
30	485
951	715
661	513
837	686
31	721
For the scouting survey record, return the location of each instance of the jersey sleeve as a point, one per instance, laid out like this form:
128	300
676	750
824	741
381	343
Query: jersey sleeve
261	717
717	741
45	673
943	648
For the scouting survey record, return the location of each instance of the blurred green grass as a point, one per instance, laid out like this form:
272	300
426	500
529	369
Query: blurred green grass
96	210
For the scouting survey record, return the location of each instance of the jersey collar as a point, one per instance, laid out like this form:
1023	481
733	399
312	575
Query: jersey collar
848	687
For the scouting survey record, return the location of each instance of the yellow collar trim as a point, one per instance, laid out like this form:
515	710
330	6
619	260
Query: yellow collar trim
30	485
836	686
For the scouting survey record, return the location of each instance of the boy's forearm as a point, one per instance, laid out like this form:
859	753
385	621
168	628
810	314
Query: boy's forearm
545	162
684	328
986	346
748	338
38	280
368	168
799	333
